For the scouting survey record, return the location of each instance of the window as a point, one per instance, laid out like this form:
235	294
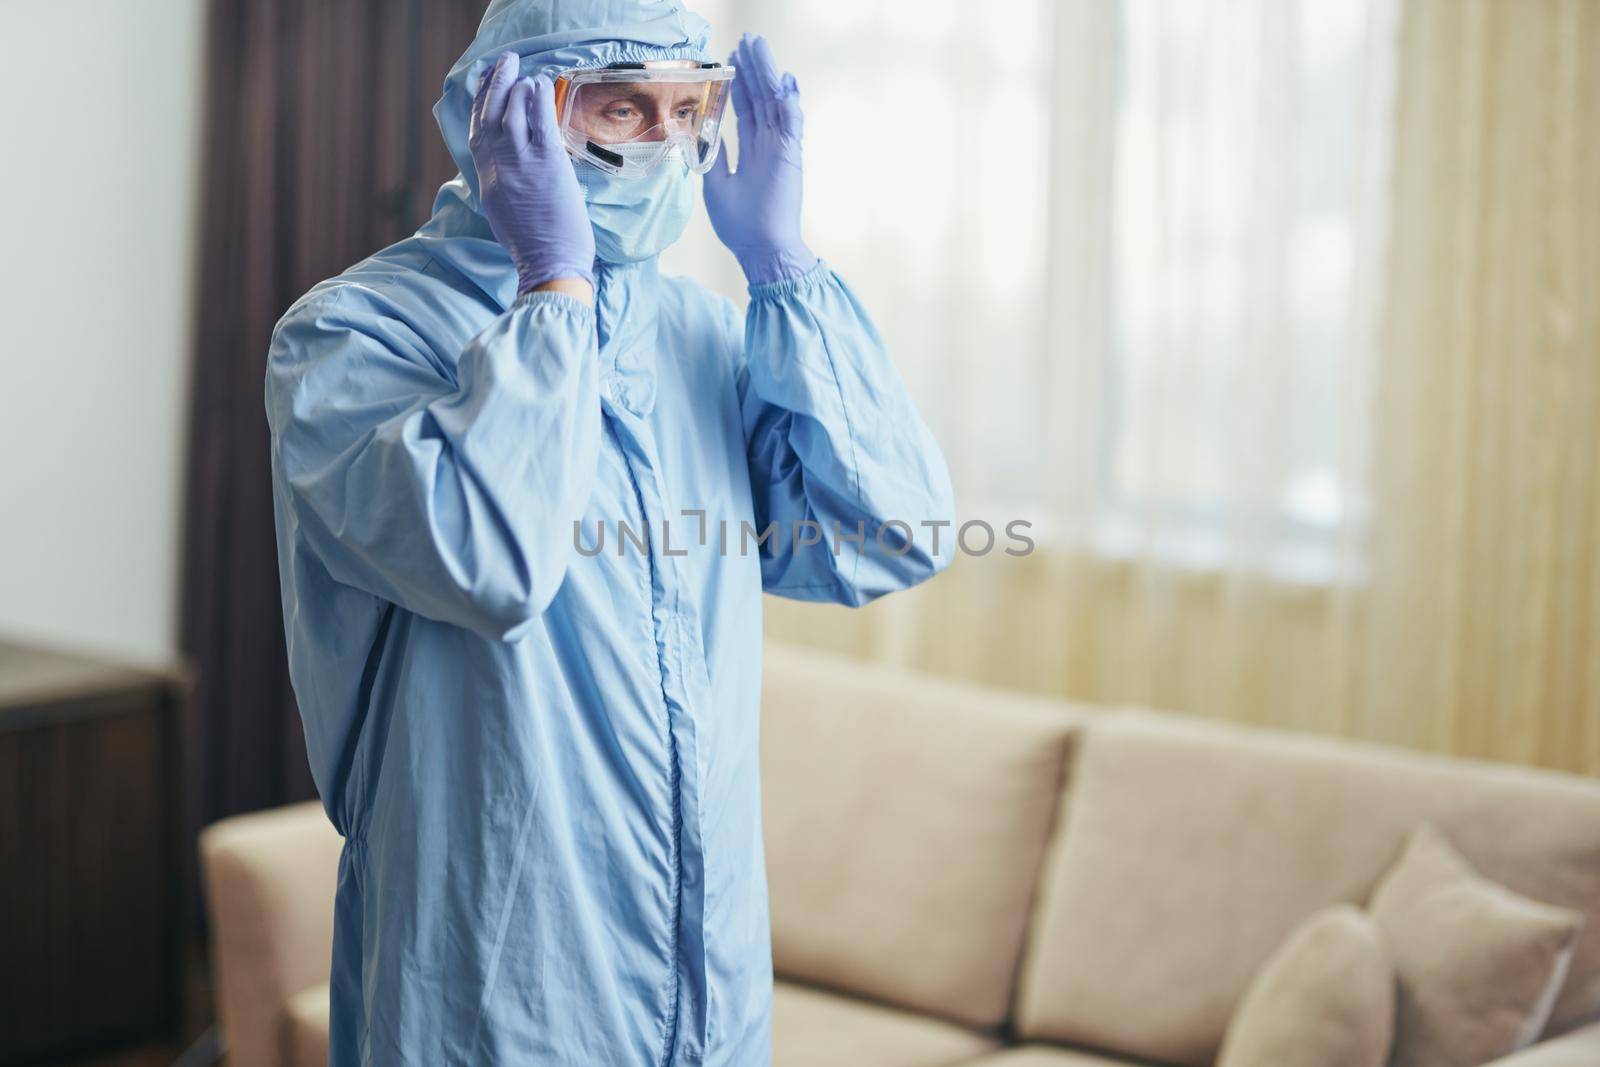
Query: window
1125	255
1244	226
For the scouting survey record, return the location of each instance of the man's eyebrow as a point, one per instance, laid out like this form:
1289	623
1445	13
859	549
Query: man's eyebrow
640	93
630	93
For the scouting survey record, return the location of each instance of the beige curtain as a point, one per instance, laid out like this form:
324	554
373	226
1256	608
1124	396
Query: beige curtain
1483	616
1461	609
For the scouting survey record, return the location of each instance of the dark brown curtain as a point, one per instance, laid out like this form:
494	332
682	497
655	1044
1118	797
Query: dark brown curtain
319	148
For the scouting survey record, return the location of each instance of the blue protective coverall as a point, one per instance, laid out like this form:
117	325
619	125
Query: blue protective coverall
544	761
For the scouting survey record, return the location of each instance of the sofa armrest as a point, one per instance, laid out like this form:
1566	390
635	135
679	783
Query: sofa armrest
269	881
1577	1048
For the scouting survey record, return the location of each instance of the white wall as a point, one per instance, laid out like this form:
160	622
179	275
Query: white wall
100	111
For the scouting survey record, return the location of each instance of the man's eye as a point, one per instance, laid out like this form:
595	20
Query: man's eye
685	113
621	113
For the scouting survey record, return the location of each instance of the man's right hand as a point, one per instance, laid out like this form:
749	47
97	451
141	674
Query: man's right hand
527	188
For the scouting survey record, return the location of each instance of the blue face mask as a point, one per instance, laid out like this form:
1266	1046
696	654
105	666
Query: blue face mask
637	218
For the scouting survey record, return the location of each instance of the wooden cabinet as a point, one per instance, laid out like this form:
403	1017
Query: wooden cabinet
90	851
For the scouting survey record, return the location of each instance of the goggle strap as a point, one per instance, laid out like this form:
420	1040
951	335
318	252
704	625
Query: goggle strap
641	66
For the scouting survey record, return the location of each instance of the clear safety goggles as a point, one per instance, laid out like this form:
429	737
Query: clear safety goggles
655	108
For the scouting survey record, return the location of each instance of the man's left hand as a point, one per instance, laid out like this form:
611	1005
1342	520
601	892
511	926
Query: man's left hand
756	209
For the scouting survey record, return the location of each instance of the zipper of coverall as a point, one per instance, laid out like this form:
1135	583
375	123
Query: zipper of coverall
674	772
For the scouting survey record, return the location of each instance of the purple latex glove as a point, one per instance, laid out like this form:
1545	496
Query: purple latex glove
527	188
756	209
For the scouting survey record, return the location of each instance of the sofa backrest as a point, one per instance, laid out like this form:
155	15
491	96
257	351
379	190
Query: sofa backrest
905	822
1187	851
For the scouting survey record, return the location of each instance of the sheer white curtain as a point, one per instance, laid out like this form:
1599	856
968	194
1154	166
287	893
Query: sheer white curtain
1248	216
1124	254
1128	257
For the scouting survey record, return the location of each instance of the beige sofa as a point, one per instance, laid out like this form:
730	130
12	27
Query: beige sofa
961	876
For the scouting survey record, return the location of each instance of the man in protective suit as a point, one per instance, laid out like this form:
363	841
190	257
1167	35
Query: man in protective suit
540	746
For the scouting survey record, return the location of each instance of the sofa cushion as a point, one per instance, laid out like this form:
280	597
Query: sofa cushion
1049	1056
1580	1048
905	821
1479	966
1325	999
812	1028
1191	849
305	1033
